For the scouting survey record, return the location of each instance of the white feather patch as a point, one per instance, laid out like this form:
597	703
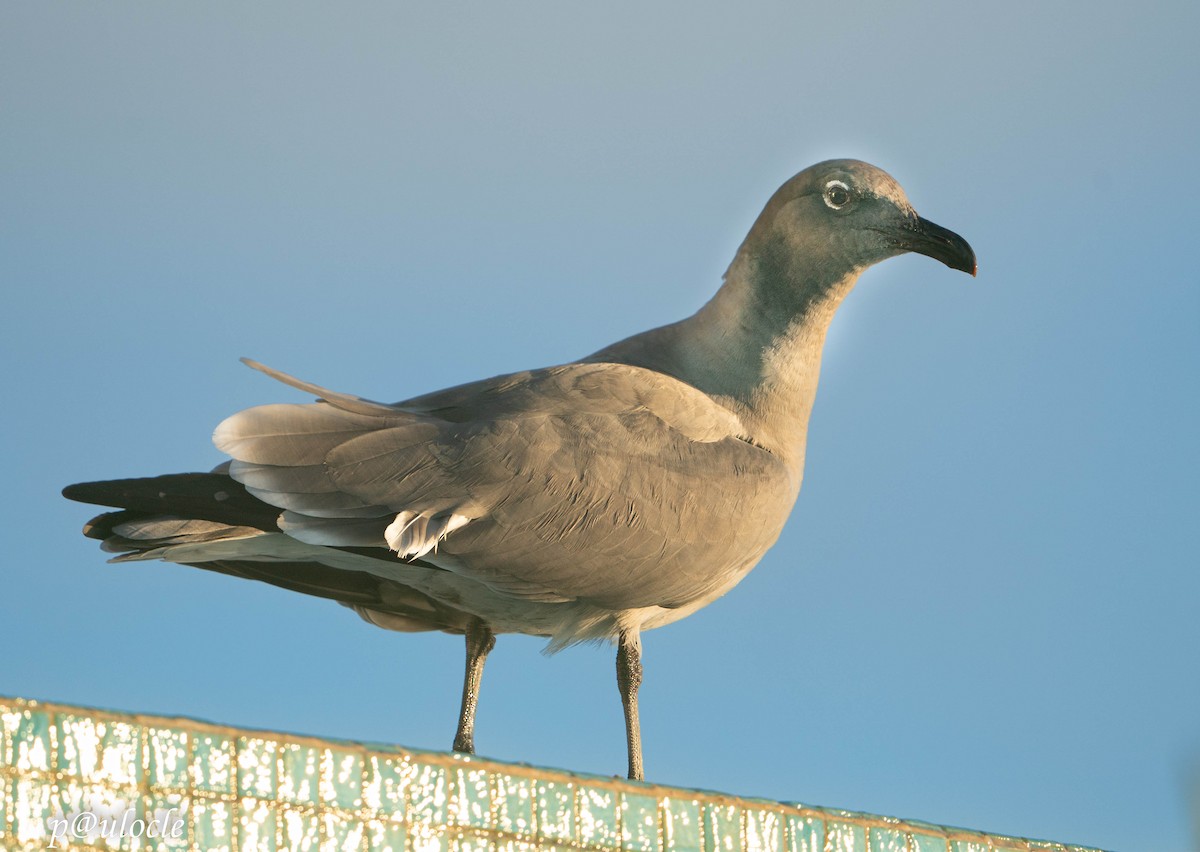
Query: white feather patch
414	534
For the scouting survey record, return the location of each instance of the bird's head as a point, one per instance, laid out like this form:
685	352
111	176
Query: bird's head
847	215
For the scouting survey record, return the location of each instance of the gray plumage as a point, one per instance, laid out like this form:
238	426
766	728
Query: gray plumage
592	500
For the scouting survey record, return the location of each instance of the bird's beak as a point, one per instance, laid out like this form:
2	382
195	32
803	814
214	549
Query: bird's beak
924	237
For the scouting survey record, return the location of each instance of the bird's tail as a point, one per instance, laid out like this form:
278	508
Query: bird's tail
210	521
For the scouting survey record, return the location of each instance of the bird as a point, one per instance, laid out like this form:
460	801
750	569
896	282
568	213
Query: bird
593	500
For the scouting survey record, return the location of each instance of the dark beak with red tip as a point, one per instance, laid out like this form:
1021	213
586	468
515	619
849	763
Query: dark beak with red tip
924	237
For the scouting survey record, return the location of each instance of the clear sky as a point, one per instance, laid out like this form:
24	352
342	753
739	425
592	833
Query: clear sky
984	610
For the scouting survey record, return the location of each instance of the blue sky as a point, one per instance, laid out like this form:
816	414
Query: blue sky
984	610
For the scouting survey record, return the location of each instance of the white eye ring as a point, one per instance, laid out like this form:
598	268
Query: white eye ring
837	195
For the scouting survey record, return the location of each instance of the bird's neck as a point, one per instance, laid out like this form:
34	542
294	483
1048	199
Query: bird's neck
757	345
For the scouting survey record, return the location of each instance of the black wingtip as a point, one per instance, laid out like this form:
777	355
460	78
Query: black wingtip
87	492
203	496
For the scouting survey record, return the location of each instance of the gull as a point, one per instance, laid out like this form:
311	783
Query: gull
593	500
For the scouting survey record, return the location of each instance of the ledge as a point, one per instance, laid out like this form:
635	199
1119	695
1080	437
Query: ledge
237	790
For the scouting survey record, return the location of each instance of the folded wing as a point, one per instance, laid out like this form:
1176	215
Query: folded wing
604	483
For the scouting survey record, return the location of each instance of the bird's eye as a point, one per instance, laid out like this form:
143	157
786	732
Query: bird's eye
837	194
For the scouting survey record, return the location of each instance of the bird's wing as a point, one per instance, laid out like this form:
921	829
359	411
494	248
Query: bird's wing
600	482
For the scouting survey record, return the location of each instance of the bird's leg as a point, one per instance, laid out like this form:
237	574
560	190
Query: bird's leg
629	678
480	640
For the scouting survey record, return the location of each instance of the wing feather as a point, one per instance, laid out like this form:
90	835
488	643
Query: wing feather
288	435
576	482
